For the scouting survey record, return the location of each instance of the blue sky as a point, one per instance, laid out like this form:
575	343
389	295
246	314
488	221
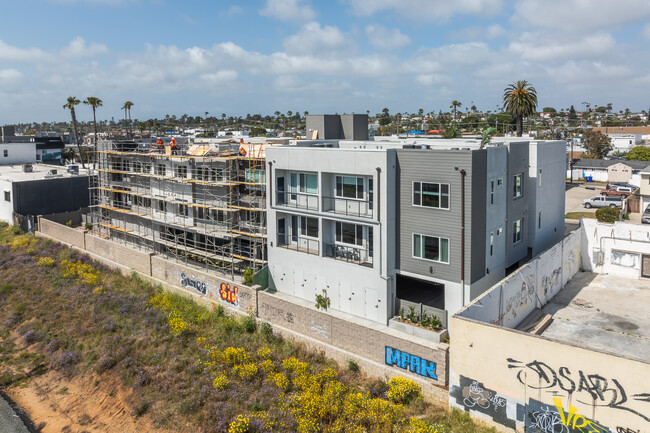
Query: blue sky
189	57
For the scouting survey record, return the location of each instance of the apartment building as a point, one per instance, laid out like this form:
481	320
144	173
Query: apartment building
436	222
203	205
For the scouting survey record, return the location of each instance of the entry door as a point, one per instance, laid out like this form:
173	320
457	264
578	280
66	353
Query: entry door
645	266
281	195
282	231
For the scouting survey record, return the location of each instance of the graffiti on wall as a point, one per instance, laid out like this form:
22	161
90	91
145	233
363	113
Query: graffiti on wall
411	363
543	418
273	311
551	283
587	388
229	294
192	282
472	395
626	430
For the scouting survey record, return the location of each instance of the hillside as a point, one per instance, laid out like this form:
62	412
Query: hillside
105	352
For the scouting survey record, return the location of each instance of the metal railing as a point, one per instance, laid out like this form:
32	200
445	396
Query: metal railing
348	206
298	200
349	254
299	243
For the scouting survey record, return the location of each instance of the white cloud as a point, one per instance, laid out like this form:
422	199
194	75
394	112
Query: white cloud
580	15
16	54
312	39
386	39
646	32
427	10
10	76
78	48
495	31
541	48
288	10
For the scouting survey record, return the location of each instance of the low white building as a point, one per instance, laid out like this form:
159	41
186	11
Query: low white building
17	153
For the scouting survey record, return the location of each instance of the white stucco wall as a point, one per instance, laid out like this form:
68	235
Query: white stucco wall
17	153
6	207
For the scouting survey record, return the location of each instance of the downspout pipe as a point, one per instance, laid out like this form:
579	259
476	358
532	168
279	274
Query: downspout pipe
463	173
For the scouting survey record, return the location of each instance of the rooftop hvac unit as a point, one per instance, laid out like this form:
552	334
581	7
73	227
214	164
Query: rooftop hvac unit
73	169
416	146
321	145
27	168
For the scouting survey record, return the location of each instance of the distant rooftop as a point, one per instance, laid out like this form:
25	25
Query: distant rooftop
16	173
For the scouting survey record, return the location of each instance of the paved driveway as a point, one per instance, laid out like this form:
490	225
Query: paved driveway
577	192
9	421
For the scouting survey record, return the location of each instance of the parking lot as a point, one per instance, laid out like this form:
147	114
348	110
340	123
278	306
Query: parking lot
576	193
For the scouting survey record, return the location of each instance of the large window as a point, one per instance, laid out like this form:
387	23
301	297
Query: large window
516	231
7	196
349	187
517	186
304	182
431	195
309	227
431	248
349	233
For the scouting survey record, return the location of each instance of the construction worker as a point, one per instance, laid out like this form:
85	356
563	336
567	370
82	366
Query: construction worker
160	145
174	147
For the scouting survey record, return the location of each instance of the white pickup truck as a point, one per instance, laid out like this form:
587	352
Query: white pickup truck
603	201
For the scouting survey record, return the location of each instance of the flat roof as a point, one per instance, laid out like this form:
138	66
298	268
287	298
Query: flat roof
603	312
15	173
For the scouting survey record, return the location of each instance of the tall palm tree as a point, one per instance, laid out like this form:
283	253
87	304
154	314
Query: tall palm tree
127	108
454	106
72	102
520	100
94	102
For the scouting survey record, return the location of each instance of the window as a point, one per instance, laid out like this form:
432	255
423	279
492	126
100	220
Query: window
217	215
161	205
183	210
491	243
255	176
349	187
181	171
539	219
491	192
6	153
539	178
160	169
431	248
516	186
516	231
38	157
500	181
309	227
349	233
7	196
434	195
308	183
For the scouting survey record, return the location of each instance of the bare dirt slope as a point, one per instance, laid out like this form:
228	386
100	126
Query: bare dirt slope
90	404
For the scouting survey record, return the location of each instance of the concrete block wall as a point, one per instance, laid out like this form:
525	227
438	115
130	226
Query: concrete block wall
381	351
69	235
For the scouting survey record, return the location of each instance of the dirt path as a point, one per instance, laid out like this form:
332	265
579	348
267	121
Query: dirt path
83	404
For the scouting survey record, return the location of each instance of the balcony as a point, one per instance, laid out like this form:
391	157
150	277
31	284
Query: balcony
299	243
296	200
349	254
348	206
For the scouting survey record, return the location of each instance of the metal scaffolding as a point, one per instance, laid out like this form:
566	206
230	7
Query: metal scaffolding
204	206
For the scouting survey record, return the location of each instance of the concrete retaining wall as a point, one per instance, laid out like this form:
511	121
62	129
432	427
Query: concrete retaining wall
69	235
123	255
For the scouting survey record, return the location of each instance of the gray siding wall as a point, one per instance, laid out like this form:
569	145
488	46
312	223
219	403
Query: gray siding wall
47	196
518	162
434	166
478	223
355	126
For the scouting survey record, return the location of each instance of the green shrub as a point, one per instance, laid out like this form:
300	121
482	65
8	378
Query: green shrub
69	223
352	366
323	301
266	330
88	226
248	276
249	323
607	214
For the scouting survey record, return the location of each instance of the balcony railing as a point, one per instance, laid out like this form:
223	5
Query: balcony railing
348	206
299	243
298	200
349	254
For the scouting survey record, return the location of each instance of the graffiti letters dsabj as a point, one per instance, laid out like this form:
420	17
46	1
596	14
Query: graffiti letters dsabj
229	294
411	363
199	286
472	395
586	388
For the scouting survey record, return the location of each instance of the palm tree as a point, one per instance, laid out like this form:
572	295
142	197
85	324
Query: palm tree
94	102
520	100
127	108
72	102
454	106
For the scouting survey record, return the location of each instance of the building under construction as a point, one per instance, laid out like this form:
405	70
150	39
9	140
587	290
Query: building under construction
203	205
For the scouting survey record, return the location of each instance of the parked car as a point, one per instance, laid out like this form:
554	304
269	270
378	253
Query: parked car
603	201
645	217
623	191
614	185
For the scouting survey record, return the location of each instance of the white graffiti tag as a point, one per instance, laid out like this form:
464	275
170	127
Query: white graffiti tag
482	398
547	422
